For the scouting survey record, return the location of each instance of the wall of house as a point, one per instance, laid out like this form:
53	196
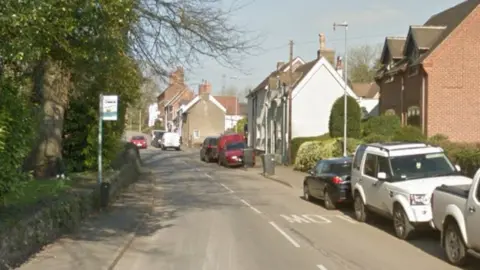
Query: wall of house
205	117
312	102
391	95
412	99
256	120
453	83
232	120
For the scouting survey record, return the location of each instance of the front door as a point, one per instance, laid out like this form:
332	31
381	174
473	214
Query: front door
473	219
369	180
383	189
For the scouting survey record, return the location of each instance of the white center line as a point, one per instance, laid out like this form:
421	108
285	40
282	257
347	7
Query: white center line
321	267
251	207
227	188
290	239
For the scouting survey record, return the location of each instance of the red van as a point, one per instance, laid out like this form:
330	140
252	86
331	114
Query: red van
226	139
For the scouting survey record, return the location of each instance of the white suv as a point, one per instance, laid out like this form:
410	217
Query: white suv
396	180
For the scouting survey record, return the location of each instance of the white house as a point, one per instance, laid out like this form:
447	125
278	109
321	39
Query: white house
316	86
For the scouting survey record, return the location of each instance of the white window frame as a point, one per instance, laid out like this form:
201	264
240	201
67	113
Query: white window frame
196	134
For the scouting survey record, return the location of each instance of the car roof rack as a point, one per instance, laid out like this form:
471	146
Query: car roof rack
381	146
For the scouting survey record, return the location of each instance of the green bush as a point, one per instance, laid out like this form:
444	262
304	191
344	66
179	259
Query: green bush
383	125
16	135
409	134
298	141
438	139
312	151
376	138
352	144
354	116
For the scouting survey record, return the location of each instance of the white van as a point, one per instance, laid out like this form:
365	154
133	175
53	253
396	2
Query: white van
170	140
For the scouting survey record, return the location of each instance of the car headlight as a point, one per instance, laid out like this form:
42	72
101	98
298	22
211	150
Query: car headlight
419	199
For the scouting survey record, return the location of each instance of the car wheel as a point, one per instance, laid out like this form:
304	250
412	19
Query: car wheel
327	200
306	193
361	213
454	247
403	228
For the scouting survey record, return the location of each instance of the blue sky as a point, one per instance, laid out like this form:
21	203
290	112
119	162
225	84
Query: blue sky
302	20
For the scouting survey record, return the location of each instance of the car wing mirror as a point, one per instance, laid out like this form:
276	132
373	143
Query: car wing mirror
382	176
310	172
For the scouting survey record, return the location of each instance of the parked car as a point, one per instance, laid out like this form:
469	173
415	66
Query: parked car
456	214
170	140
233	154
157	137
396	180
225	139
329	181
208	152
139	141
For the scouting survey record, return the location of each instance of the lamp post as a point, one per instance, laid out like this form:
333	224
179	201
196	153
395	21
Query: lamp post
345	79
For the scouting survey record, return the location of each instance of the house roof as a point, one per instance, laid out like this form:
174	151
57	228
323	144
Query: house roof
198	98
395	46
314	66
450	19
230	103
426	36
265	81
177	96
243	108
366	90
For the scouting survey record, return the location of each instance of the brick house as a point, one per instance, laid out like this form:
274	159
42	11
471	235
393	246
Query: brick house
430	78
176	94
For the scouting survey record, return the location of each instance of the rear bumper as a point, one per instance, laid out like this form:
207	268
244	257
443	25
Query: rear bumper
341	193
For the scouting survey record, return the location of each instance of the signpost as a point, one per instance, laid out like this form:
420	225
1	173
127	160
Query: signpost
108	112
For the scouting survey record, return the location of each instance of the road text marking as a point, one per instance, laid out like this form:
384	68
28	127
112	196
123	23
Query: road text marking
317	219
227	188
251	207
321	267
290	239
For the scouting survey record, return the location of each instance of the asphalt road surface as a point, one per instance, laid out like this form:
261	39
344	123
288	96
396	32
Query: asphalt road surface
201	216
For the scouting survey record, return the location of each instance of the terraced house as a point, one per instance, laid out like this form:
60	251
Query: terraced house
431	77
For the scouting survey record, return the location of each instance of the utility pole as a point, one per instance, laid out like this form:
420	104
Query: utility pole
140	120
345	85
289	104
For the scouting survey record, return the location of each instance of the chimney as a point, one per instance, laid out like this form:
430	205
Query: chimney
279	65
205	88
339	66
178	76
328	54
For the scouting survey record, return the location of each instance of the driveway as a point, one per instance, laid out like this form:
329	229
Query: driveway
206	217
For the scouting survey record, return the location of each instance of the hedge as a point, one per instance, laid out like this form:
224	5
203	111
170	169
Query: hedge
354	116
312	151
298	141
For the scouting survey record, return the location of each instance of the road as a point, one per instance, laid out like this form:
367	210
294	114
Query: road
205	217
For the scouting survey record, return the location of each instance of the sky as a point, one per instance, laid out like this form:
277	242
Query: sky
279	21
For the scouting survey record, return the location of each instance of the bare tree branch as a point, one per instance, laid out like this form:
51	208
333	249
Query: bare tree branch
178	32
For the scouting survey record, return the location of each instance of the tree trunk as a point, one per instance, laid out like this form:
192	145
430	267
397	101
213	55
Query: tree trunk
51	87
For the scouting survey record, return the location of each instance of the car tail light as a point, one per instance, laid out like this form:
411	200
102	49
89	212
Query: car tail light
337	180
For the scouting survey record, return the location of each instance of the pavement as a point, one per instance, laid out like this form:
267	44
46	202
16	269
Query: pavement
186	214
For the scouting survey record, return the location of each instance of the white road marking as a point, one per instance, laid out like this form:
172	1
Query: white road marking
209	176
296	219
321	267
227	188
251	207
317	219
347	218
290	239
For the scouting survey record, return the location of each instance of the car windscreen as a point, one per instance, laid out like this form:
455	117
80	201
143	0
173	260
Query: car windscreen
138	138
236	146
213	141
421	166
158	134
340	169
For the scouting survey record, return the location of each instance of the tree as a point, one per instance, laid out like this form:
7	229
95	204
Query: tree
363	63
354	114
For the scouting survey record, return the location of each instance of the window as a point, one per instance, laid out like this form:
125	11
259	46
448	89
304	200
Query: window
341	169
370	165
421	166
478	191
196	134
319	167
236	146
358	157
384	166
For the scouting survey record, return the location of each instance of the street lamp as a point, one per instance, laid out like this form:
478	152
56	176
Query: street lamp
345	79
